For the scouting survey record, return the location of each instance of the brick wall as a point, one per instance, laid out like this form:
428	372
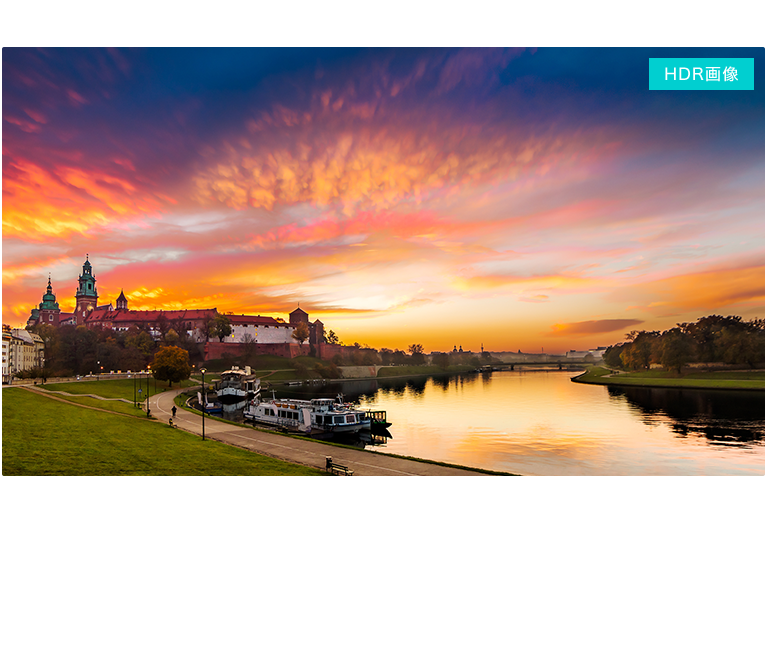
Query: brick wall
214	350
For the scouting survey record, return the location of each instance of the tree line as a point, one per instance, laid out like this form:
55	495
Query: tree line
72	350
712	339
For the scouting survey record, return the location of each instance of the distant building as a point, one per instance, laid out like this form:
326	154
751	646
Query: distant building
22	351
258	329
6	352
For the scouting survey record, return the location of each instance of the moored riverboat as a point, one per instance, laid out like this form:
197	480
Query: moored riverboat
236	383
323	415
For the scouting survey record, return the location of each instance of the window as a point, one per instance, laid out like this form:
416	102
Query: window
338	420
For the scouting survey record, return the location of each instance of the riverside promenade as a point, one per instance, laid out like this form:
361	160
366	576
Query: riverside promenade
296	450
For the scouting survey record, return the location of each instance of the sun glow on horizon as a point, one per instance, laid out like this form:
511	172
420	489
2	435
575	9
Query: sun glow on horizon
445	197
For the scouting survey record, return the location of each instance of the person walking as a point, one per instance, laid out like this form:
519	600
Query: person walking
173	410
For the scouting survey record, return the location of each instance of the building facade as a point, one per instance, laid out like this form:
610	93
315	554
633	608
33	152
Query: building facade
22	351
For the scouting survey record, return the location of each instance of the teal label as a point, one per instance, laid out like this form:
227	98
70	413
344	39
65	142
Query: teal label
701	74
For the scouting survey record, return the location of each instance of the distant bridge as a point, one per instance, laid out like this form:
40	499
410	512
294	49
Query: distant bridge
559	364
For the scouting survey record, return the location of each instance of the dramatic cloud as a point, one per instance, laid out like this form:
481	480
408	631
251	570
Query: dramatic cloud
434	195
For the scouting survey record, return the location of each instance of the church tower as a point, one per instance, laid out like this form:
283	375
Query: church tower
86	297
48	310
122	301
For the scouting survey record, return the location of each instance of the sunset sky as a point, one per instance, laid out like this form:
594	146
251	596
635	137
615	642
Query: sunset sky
519	199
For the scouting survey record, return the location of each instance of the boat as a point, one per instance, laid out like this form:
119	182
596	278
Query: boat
237	383
323	415
378	421
211	408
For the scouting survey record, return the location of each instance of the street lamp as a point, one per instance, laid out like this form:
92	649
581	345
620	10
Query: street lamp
98	370
202	371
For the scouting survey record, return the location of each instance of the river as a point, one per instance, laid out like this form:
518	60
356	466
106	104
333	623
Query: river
541	423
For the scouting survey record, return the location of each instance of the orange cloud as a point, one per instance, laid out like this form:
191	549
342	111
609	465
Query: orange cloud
711	289
318	158
593	327
39	203
552	282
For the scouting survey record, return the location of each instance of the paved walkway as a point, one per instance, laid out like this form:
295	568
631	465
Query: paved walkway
295	450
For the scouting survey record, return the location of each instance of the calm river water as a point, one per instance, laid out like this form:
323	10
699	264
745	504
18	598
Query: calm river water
541	423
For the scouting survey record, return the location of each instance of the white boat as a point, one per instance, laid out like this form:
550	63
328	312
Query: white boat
238	383
308	416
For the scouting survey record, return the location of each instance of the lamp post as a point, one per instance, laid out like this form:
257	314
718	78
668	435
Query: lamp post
98	370
202	371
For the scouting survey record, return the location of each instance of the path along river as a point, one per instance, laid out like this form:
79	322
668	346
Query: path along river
541	423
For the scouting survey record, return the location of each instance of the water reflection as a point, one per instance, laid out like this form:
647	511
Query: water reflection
721	417
542	423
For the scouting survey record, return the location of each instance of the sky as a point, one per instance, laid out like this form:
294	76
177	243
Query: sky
531	199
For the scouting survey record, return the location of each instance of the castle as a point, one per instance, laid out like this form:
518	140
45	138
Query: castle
246	329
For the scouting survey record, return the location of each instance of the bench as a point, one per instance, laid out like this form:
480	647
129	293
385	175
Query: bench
337	468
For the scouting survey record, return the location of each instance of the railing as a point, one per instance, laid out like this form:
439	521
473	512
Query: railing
377	416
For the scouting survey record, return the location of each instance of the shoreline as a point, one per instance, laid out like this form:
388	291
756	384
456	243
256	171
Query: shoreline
737	385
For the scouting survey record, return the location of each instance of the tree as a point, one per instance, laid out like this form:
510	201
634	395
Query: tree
640	353
171	337
171	364
677	349
249	345
223	326
416	354
441	360
741	346
612	356
332	338
142	341
301	333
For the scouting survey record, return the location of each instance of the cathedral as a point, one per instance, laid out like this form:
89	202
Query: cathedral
86	300
118	317
254	329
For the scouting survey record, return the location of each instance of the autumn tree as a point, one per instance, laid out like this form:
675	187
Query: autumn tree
332	338
142	341
301	333
640	353
612	356
171	364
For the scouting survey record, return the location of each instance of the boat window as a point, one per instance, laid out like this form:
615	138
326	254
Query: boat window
338	420
350	419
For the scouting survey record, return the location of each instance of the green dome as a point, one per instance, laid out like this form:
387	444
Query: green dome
49	299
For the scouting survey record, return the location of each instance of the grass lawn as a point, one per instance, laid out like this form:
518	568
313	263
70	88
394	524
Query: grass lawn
750	380
116	406
116	388
45	437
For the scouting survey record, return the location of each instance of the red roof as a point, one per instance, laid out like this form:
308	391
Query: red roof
129	316
252	319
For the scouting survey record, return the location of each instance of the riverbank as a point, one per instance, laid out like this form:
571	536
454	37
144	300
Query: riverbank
181	402
727	380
